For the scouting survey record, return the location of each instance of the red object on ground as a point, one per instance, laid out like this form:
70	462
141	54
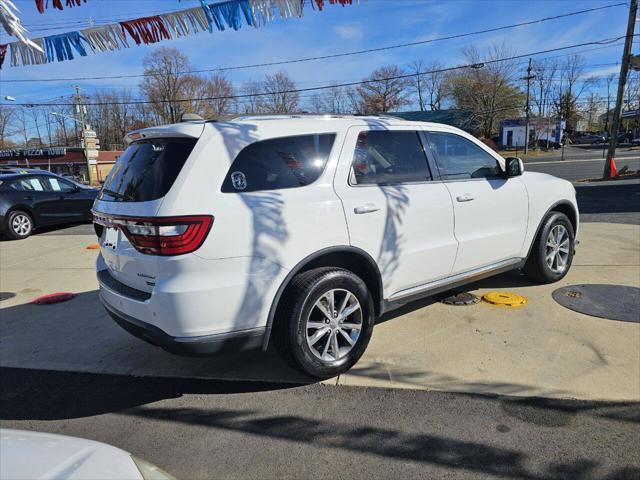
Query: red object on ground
613	171
93	246
53	298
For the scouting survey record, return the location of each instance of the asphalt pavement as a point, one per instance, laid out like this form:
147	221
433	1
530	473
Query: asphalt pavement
213	429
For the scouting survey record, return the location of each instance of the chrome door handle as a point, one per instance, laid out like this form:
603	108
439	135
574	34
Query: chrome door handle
467	197
368	208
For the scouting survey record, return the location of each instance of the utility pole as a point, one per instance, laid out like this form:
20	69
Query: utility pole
528	78
80	107
610	163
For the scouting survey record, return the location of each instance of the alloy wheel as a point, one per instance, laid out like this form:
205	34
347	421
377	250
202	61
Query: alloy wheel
334	325
21	224
557	249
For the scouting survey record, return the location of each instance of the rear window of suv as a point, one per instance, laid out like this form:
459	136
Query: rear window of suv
147	169
279	163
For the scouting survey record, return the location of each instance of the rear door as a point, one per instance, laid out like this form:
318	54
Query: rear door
136	187
395	210
491	211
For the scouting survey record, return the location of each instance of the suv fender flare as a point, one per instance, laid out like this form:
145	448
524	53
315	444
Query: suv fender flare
306	261
563	203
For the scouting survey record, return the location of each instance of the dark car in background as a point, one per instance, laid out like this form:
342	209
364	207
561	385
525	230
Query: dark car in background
35	199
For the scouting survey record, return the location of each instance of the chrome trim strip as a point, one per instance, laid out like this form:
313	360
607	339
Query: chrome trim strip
408	292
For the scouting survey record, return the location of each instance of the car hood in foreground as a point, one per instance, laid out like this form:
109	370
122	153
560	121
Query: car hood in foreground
28	455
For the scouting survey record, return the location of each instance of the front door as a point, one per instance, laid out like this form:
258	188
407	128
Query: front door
69	205
491	211
394	209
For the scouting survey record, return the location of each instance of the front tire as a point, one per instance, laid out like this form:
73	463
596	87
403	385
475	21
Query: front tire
326	322
552	252
19	225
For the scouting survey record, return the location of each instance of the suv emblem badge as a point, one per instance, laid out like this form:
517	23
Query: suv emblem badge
239	180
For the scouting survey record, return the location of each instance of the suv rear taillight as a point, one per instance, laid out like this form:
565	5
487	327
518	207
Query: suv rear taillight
161	235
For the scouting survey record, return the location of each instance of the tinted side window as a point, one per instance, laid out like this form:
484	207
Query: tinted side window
57	185
384	157
459	158
27	185
278	163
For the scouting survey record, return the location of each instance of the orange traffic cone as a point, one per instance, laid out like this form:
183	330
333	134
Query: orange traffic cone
613	171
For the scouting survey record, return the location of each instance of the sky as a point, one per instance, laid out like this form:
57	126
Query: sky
369	24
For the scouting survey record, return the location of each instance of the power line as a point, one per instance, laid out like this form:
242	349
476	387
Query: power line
336	55
348	84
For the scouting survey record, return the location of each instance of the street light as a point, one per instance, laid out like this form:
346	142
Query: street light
66	116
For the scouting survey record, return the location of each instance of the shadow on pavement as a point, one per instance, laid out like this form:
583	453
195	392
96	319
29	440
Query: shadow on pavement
44	395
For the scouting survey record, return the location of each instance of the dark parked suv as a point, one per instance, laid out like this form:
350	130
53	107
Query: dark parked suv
31	200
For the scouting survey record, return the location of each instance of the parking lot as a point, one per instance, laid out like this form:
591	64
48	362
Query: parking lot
465	391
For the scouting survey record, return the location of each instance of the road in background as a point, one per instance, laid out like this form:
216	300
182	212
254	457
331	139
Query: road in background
576	153
574	170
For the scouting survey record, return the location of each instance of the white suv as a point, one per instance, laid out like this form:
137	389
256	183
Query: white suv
219	236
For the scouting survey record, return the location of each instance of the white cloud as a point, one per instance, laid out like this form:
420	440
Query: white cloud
603	72
349	32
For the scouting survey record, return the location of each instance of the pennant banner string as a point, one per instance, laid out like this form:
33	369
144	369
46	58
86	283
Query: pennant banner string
41	4
12	25
229	14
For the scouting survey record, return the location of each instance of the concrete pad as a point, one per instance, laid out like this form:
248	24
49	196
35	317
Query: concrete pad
79	336
540	349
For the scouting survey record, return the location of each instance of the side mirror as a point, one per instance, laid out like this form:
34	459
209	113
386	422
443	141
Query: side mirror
514	167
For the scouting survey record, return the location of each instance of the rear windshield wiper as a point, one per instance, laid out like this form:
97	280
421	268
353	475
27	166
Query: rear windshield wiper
113	194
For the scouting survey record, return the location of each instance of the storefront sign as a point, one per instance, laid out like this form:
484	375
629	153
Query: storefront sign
33	152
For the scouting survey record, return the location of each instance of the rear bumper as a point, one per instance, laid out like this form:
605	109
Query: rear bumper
203	345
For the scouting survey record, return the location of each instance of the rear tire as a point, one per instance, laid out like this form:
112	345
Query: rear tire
325	322
19	224
552	252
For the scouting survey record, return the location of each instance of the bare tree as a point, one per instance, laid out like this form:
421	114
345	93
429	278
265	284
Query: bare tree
6	116
609	81
252	102
220	90
545	73
488	89
427	84
570	88
279	95
331	100
166	83
591	111
113	116
383	90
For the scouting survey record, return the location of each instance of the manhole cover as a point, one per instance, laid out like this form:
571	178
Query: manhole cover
6	295
614	302
460	299
504	299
